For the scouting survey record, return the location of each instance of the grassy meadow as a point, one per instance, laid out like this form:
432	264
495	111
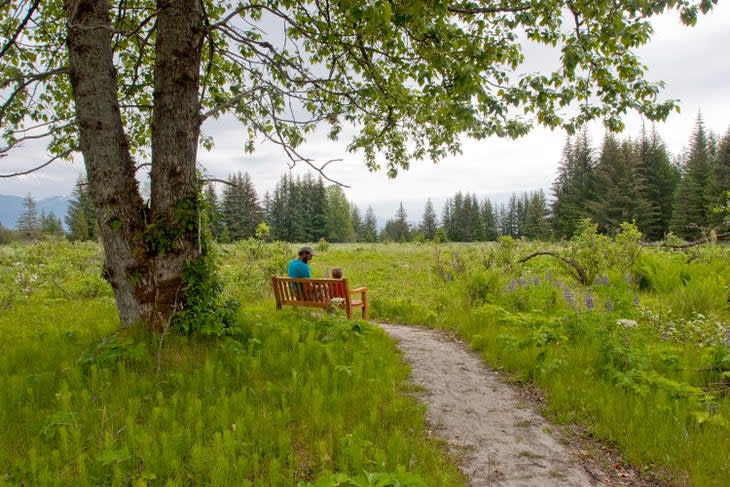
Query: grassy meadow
638	355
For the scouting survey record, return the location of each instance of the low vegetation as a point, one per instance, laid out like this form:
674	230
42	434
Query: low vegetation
638	355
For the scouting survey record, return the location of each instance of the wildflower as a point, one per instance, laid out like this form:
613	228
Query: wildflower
627	323
609	305
512	284
636	300
727	338
605	280
589	302
568	296
548	276
537	280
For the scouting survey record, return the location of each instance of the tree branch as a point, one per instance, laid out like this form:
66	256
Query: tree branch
20	28
572	265
488	10
53	159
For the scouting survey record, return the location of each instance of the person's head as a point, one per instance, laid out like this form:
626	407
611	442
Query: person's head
336	273
306	254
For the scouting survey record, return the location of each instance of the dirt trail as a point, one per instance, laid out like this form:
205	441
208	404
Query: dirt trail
502	440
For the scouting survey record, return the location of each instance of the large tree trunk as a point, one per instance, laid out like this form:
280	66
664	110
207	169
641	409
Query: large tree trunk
145	248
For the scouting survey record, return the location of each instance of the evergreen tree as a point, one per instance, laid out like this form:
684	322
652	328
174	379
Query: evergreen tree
489	221
471	219
693	198
28	223
313	200
398	228
50	224
509	221
503	221
537	221
216	223
456	227
5	235
338	220
573	187
240	209
721	177
429	223
620	198
446	218
660	178
357	222
370	226
80	217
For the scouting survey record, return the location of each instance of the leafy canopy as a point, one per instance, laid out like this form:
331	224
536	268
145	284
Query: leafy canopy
409	76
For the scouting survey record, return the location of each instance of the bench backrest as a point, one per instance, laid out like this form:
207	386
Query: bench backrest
317	293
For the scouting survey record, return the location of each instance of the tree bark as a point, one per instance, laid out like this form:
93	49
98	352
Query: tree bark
145	248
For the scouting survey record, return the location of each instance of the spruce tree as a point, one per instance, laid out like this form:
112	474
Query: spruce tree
80	217
240	209
28	223
215	216
574	186
50	224
489	221
446	218
429	223
456	231
398	228
338	220
370	226
314	203
660	178
721	178
357	222
537	221
693	198
620	198
509	220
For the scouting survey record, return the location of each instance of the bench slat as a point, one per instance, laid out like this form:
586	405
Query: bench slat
318	293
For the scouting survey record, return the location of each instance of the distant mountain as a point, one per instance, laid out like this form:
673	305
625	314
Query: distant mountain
12	206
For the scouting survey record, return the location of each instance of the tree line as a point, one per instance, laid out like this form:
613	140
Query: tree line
633	179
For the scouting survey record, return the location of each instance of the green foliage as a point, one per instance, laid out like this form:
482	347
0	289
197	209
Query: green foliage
322	245
80	216
281	399
617	355
303	397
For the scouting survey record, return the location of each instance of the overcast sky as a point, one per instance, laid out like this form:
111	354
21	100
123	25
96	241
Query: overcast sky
694	63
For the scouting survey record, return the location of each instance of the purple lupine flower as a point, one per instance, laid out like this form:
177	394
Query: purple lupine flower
537	281
589	302
636	300
512	284
609	305
605	280
598	279
568	296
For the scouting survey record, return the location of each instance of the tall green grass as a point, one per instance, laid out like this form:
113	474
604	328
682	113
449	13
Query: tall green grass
283	398
640	358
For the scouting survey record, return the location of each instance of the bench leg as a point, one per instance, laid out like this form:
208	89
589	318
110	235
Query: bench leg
364	306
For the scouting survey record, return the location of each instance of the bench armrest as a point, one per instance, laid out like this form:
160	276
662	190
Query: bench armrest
359	290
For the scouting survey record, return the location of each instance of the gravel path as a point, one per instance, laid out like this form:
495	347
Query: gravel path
501	439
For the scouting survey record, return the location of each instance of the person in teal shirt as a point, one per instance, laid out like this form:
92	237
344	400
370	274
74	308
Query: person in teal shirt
299	267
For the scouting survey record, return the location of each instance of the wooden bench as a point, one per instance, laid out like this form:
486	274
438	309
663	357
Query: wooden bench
319	293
